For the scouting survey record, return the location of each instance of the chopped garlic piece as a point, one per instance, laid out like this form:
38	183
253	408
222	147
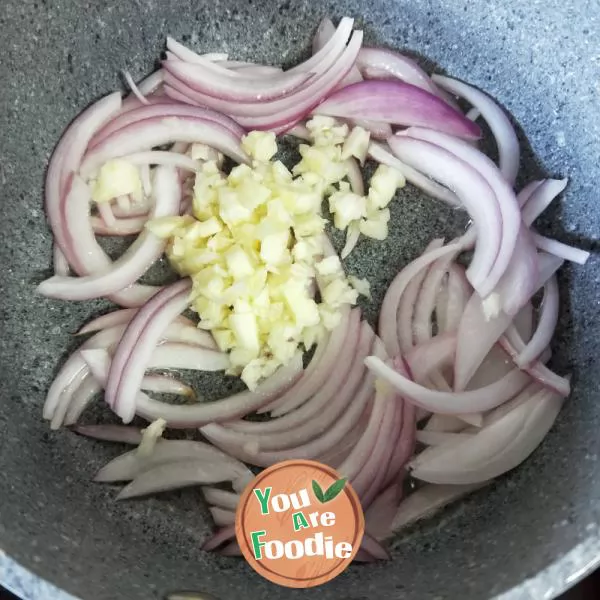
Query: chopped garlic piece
356	144
165	227
362	286
260	145
150	436
117	177
383	185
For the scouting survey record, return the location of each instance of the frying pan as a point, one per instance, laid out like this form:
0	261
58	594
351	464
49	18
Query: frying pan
529	535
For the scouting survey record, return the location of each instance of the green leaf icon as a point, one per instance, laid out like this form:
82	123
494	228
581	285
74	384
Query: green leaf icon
318	491
334	489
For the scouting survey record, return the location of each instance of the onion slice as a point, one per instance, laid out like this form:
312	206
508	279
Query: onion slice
428	500
452	403
398	103
474	192
495	117
156	131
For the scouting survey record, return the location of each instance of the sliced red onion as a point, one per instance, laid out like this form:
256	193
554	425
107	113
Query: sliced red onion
163	110
537	370
170	159
496	365
524	322
222	517
478	332
134	88
137	344
175	355
291	431
428	500
131	464
374	548
389	307
309	450
226	409
282	114
188	55
507	202
548	318
331	399
150	84
150	88
474	192
495	117
431	355
134	262
318	370
463	453
65	161
173	476
120	227
379	153
425	305
362	556
87	253
560	250
111	433
325	32
524	195
452	403
252	68
541	197
157	131
61	264
516	285
397	103
65	383
405	444
335	456
221	498
182	329
378	63
237	86
223	535
106	214
459	292
231	549
368	480
379	516
81	399
331	49
444	424
358	458
406	308
65	399
435	438
476	464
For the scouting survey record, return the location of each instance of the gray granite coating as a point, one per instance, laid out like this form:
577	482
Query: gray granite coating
530	535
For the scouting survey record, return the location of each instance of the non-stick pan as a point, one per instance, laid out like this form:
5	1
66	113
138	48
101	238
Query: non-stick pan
529	535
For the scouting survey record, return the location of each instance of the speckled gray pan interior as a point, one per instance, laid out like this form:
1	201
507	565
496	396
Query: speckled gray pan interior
529	535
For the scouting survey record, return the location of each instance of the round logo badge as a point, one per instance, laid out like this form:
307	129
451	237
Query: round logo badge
299	524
